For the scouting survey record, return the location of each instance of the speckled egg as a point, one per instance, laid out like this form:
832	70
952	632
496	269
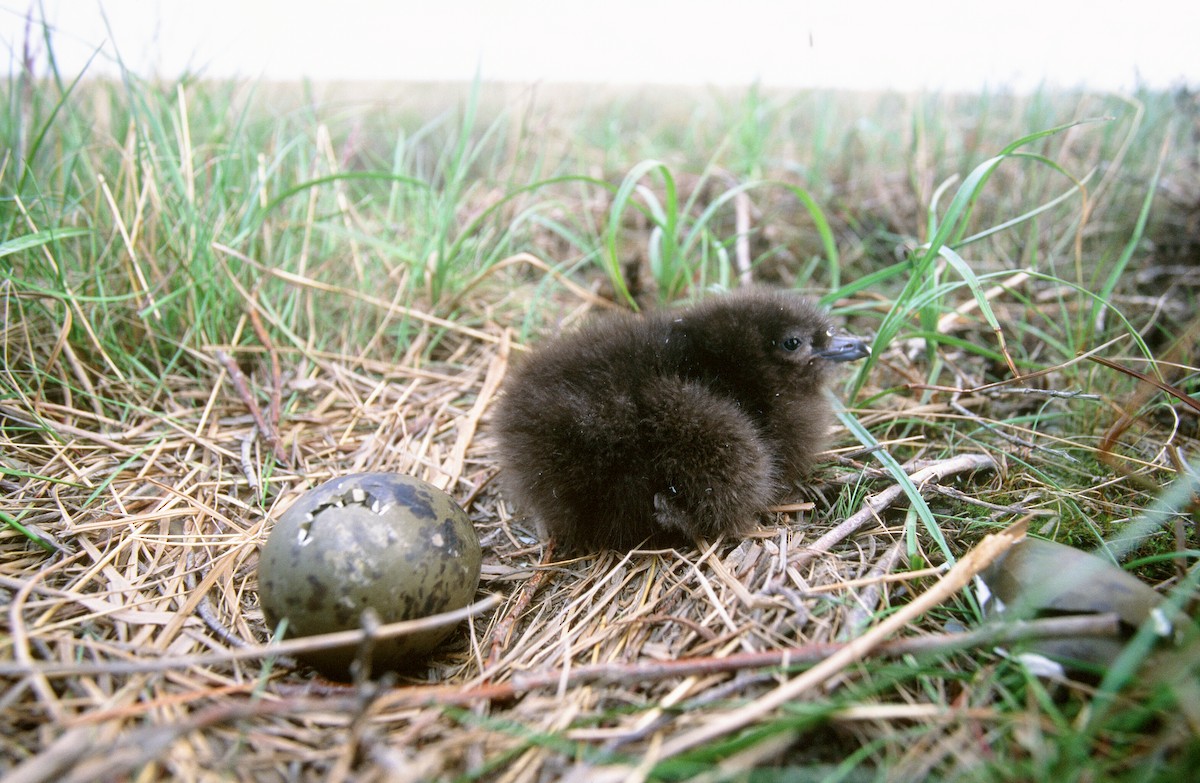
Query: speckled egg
384	541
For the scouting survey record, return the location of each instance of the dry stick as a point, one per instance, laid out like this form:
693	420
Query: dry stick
1062	395
239	384
504	627
1019	378
971	564
204	608
309	697
273	409
247	462
1105	625
878	502
652	671
961	410
1015	509
274	649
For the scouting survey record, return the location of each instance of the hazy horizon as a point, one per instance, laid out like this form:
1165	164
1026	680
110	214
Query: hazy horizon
930	44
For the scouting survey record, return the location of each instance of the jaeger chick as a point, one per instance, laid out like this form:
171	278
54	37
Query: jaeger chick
675	424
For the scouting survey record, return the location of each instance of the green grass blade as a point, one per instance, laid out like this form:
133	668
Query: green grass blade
916	501
39	238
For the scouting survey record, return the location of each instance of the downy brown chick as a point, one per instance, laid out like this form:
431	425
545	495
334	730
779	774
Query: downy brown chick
679	423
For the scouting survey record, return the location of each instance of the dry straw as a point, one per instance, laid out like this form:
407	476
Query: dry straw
134	643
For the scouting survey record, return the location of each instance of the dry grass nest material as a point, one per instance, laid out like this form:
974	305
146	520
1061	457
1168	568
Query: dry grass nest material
121	646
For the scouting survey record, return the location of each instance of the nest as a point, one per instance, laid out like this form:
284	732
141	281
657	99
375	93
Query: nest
135	644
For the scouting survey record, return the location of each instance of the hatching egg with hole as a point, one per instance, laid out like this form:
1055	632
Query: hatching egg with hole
384	541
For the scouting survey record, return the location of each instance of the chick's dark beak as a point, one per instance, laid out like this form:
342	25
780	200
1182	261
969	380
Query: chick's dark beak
844	349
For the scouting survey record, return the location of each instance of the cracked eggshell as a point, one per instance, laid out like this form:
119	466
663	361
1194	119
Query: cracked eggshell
386	541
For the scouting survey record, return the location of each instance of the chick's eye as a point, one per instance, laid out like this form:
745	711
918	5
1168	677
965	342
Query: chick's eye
791	343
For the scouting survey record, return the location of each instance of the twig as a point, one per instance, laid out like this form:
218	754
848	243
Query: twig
247	462
653	671
504	628
338	697
239	384
1065	395
999	433
204	609
1017	510
272	650
274	408
878	502
1017	378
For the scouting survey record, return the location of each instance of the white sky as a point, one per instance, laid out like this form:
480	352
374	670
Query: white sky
869	44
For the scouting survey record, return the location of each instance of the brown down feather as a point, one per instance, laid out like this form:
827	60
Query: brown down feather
669	425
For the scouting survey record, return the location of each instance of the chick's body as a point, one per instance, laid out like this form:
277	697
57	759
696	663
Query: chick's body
669	425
